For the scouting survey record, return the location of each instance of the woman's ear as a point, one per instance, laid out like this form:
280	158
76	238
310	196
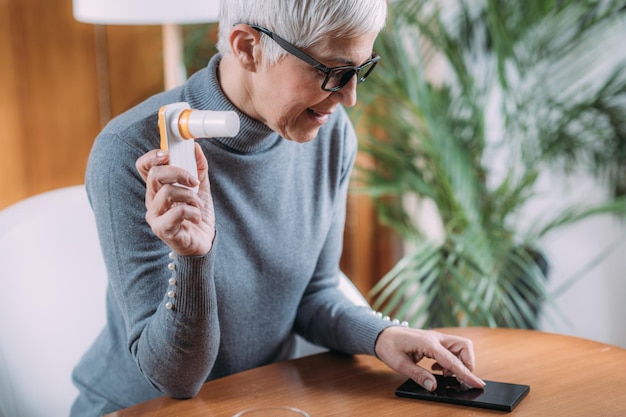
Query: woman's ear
245	43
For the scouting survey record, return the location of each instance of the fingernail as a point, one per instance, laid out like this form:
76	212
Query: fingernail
464	386
428	384
161	154
194	181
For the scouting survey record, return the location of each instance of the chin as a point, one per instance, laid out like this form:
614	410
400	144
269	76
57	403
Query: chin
301	136
303	139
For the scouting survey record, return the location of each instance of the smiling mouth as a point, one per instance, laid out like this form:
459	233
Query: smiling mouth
318	114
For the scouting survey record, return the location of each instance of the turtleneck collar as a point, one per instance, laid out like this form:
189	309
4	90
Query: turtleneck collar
203	91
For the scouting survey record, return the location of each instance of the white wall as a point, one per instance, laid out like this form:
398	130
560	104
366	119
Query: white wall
594	307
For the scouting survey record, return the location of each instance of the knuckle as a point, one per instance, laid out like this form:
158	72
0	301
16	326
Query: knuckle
418	375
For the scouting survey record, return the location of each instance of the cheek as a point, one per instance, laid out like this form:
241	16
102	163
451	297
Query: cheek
284	97
292	86
287	106
286	116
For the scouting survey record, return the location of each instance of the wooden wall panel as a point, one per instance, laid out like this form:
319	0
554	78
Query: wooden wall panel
53	62
12	158
50	99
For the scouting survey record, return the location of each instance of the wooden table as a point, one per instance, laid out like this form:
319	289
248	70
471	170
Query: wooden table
568	376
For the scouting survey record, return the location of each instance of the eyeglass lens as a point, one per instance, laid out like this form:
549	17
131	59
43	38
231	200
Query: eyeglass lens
340	77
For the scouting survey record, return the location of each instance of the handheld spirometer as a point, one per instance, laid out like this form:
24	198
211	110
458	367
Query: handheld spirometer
179	125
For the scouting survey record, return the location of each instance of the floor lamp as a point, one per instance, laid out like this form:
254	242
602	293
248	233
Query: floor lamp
169	14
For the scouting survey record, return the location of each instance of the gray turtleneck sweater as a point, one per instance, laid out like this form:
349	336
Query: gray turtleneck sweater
273	270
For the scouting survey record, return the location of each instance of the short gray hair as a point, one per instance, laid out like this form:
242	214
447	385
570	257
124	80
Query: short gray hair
301	22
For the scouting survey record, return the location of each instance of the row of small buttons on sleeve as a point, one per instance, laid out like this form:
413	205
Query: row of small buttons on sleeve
387	318
171	294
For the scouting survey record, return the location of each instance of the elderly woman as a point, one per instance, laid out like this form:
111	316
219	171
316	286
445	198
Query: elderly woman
206	284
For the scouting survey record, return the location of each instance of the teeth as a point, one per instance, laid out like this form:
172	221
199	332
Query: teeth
316	114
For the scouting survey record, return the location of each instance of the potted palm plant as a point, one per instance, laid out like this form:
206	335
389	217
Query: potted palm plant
447	76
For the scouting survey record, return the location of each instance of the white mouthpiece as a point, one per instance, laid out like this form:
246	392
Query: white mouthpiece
211	124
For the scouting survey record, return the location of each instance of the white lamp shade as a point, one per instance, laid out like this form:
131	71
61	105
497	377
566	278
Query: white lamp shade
146	12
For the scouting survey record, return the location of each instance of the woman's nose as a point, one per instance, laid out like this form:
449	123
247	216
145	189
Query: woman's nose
347	94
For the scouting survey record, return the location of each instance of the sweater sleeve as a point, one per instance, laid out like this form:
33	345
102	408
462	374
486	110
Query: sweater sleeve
167	303
325	315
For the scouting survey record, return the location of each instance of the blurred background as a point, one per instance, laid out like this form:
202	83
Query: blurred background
61	81
496	137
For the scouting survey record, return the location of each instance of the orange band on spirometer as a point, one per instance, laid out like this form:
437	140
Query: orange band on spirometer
183	124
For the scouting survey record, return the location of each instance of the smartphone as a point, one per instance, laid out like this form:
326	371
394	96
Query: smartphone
495	395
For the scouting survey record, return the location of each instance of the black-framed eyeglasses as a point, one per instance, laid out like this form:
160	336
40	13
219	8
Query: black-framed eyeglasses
336	77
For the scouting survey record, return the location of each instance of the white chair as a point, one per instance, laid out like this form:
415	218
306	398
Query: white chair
53	285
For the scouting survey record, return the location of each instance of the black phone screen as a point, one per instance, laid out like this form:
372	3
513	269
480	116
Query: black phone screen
495	395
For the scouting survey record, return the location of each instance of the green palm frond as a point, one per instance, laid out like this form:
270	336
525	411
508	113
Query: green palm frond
426	108
577	213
